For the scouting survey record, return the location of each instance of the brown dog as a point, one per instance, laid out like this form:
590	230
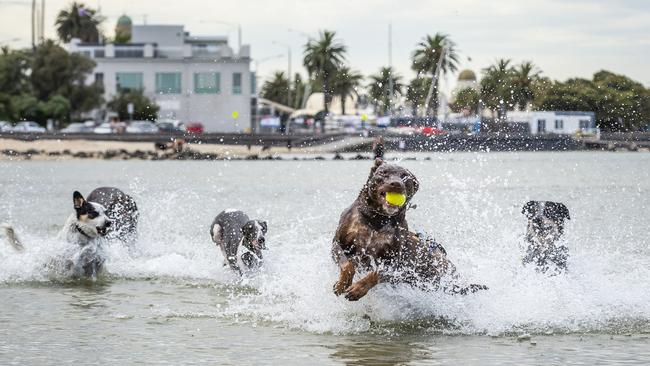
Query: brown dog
373	236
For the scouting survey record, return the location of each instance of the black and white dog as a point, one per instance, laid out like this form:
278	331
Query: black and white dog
545	228
232	229
87	227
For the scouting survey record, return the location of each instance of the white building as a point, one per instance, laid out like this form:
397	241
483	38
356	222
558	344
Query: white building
557	122
192	79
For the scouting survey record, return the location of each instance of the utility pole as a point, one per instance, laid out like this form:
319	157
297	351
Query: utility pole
42	21
390	67
434	78
33	24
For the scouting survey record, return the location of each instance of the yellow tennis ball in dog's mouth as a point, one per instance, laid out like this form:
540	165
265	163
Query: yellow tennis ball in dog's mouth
395	199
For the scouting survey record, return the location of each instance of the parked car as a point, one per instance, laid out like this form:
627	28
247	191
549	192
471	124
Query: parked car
175	122
77	128
28	126
142	127
5	126
168	127
194	127
104	128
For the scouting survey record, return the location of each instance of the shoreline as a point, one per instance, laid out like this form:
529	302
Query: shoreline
71	149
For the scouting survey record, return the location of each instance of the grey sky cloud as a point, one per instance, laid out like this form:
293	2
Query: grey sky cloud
570	38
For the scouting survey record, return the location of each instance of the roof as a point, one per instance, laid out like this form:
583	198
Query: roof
467	75
124	20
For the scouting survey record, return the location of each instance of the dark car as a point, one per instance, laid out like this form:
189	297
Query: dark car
168	127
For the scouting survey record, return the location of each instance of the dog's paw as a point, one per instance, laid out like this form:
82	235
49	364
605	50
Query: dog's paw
339	288
356	291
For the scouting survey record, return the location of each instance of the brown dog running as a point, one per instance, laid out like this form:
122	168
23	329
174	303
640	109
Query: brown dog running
373	236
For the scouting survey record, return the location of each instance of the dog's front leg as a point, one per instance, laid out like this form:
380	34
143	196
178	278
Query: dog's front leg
346	266
360	288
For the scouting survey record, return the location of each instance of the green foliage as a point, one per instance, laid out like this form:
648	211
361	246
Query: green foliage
425	60
79	21
143	107
56	72
416	93
346	83
322	59
466	99
276	89
497	87
379	88
620	103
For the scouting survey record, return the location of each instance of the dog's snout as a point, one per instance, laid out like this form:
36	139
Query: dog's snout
108	223
397	185
261	240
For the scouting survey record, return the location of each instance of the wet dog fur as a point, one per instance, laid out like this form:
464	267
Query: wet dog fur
233	231
544	231
373	236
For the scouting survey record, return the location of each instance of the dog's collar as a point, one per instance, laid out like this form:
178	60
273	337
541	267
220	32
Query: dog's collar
82	232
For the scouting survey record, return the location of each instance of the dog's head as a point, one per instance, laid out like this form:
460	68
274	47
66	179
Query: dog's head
387	178
254	232
546	219
91	219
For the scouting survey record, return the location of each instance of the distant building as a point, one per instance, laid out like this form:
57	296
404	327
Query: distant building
558	122
466	79
191	78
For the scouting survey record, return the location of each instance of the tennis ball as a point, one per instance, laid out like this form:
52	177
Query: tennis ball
395	199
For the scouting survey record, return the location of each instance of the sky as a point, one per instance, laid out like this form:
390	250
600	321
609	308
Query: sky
564	38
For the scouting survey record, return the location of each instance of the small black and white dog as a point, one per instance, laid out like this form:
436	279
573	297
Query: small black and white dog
121	210
545	228
86	227
232	229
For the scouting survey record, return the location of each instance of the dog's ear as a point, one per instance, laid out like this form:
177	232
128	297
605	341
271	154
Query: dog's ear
529	209
264	226
561	211
78	200
376	165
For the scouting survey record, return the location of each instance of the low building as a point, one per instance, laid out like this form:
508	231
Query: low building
191	78
558	122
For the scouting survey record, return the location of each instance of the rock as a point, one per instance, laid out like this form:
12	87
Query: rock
524	337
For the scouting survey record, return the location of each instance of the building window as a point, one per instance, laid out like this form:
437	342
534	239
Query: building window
541	125
168	83
99	78
559	124
253	84
585	124
207	83
236	83
128	81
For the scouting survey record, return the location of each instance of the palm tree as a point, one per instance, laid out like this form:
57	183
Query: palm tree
345	84
497	87
298	89
380	88
80	22
277	88
525	77
416	93
322	59
426	58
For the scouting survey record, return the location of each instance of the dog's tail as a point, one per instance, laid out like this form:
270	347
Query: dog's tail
12	238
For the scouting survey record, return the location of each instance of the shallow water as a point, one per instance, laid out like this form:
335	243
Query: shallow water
171	301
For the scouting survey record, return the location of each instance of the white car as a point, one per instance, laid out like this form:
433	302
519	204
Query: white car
104	128
29	127
77	128
5	126
142	127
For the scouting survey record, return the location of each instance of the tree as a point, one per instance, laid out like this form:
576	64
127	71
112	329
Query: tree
416	93
277	88
143	107
380	88
322	59
620	103
346	83
54	71
298	90
524	78
80	22
425	62
466	99
14	80
497	87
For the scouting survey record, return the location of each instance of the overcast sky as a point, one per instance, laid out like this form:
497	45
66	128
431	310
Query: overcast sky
565	38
